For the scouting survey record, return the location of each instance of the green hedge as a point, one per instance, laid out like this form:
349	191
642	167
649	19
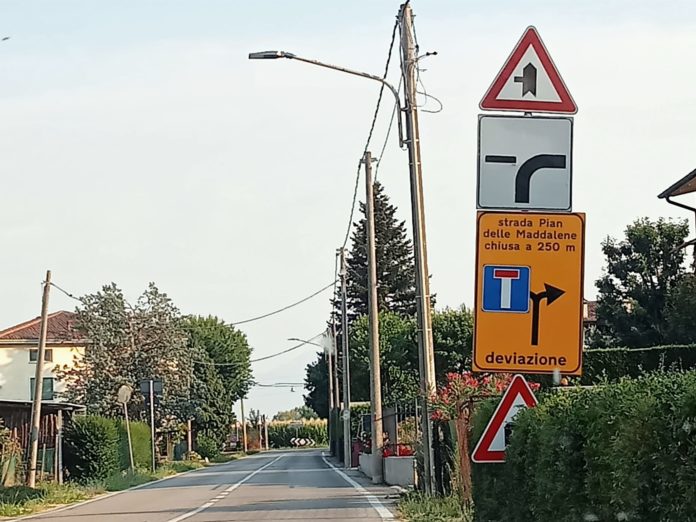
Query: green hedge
613	363
207	447
97	447
91	447
142	448
280	433
624	451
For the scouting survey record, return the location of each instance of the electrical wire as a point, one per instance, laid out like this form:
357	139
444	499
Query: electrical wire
258	317
277	354
369	135
71	296
285	307
389	128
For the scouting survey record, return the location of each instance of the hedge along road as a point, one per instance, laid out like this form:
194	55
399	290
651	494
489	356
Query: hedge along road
287	485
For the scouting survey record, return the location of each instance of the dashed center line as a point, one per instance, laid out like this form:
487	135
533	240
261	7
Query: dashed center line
224	493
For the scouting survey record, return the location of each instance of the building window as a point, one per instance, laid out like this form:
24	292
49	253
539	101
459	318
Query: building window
34	354
47	392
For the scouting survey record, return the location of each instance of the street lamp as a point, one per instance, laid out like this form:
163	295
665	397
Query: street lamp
426	362
274	55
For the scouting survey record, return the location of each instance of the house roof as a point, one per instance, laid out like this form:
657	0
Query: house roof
60	329
590	312
686	185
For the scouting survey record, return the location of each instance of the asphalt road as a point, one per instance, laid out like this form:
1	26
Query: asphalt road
276	485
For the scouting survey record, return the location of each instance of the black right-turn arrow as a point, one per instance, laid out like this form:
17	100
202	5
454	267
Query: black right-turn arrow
550	293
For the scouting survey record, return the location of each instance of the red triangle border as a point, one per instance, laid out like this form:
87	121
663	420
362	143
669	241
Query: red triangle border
482	452
490	100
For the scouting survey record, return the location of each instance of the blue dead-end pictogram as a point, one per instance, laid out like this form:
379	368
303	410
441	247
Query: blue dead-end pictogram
506	289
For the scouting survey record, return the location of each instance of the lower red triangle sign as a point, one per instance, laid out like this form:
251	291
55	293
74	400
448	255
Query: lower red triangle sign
491	445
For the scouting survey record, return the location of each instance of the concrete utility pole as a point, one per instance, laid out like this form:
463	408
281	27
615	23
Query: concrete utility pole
329	364
38	385
426	358
265	430
373	316
346	363
244	430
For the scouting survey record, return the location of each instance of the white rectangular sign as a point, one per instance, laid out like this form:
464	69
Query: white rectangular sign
525	163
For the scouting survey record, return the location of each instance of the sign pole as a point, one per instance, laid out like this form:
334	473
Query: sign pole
152	421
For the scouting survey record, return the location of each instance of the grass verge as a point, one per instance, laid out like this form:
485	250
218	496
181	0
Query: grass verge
417	507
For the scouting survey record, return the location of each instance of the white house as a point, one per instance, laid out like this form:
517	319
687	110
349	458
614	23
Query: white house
19	349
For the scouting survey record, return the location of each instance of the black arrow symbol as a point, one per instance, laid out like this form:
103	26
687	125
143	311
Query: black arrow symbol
528	79
529	167
550	293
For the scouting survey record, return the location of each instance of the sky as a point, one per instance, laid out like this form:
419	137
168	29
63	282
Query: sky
138	143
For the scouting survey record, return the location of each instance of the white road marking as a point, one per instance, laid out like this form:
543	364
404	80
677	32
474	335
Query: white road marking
228	490
382	511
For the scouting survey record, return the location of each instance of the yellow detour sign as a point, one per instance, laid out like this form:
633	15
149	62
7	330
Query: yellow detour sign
529	283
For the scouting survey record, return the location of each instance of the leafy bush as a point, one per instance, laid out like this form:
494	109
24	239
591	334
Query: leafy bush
142	446
280	433
207	447
624	451
91	448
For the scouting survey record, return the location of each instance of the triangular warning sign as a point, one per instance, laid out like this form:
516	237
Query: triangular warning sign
491	446
529	81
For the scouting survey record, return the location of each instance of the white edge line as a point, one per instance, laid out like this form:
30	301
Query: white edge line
114	493
205	506
106	495
382	511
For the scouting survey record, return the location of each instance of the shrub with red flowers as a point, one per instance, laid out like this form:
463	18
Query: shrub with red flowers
461	389
455	401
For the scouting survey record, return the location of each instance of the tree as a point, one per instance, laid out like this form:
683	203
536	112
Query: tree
317	386
634	293
296	414
127	344
453	335
222	372
681	311
395	266
398	358
452	338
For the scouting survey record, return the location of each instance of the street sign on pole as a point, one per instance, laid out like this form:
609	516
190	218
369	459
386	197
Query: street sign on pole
529	81
524	163
491	446
529	288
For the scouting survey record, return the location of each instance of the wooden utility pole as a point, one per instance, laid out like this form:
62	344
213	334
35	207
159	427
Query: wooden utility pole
38	386
426	358
244	430
373	316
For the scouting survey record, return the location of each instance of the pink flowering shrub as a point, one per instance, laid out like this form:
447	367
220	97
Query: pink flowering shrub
461	388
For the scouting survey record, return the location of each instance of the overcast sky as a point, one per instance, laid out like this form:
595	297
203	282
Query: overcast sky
138	143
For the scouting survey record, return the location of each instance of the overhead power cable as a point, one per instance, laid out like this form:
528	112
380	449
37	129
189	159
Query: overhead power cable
386	137
258	317
266	357
369	136
330	285
71	296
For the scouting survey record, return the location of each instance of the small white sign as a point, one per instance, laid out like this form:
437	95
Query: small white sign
525	163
